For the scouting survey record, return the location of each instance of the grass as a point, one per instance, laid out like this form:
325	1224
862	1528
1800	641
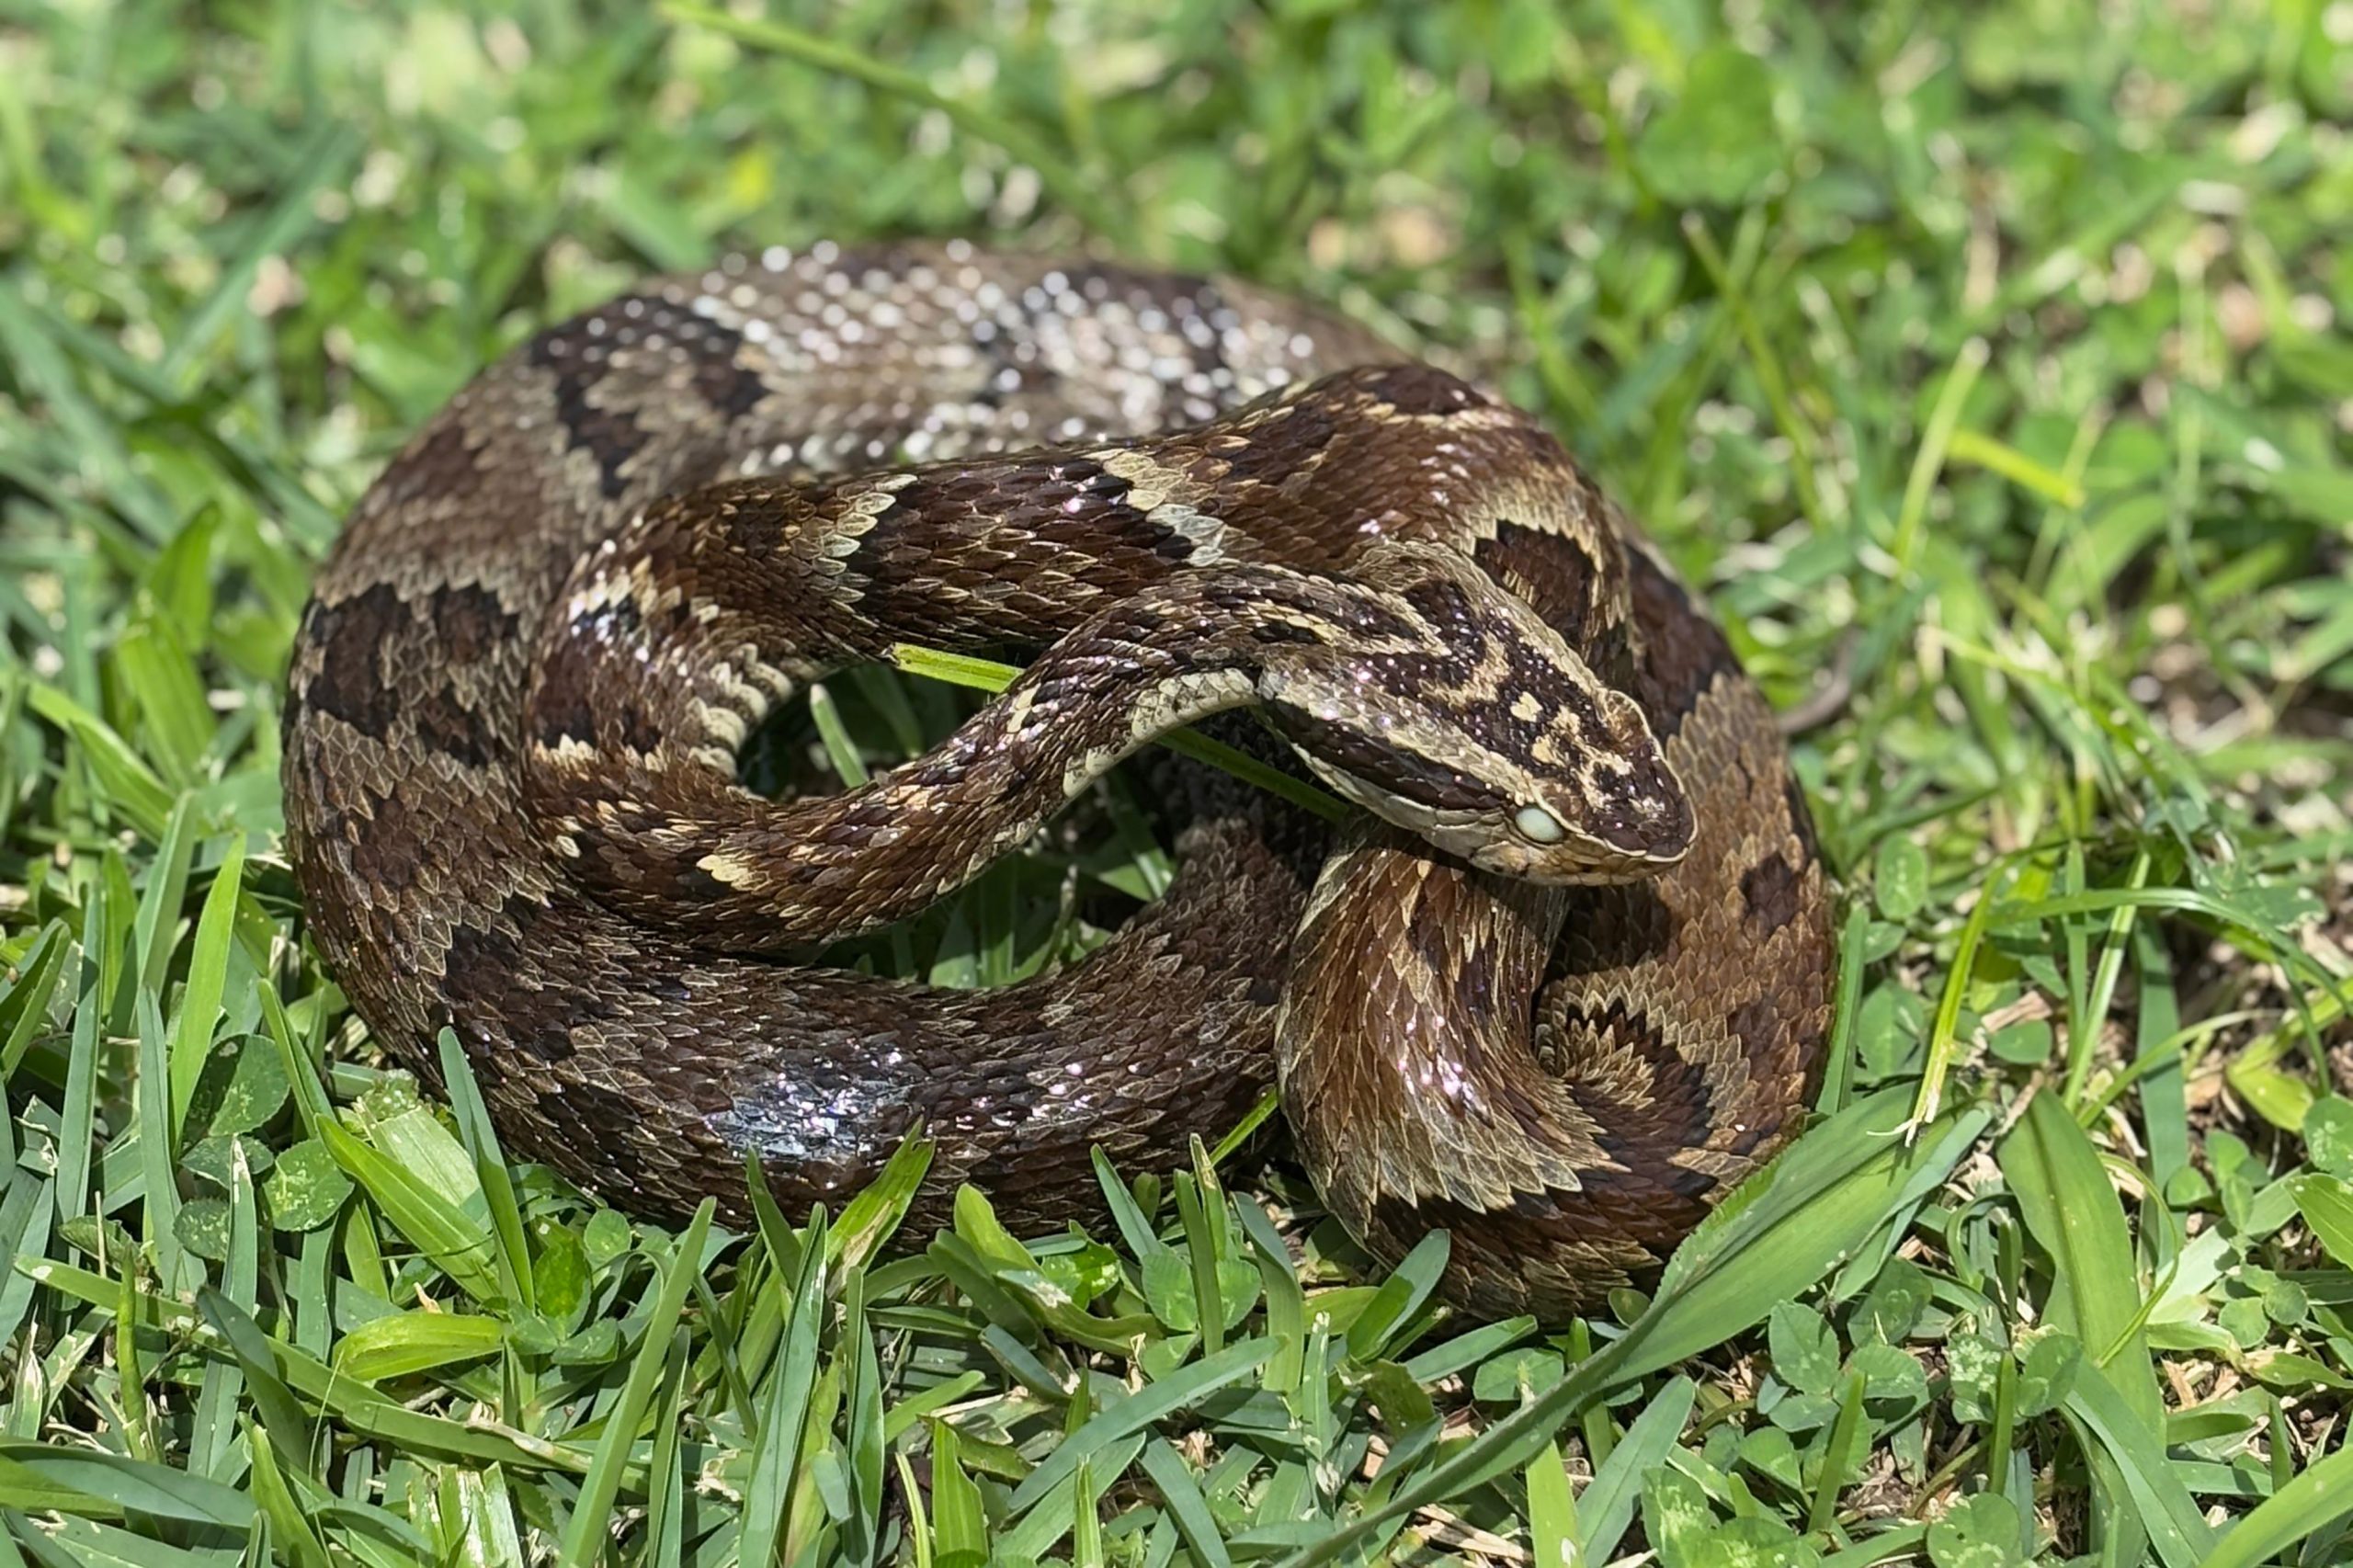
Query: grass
1995	351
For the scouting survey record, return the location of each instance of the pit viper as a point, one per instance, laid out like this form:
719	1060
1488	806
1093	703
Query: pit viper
1558	983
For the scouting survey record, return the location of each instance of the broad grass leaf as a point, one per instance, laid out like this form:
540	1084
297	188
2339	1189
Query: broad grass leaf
1551	1511
869	1219
2161	1503
125	779
1069	1506
460	1245
290	1525
2327	1204
413	1342
1792	1223
776	1457
117	1486
512	1255
208	972
1607	1505
2071	1210
476	1503
24	1007
960	1532
280	1372
1174	1477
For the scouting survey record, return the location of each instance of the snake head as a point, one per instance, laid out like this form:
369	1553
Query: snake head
1452	710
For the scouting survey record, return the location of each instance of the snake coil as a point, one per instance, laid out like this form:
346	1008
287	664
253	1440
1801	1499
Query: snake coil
1569	991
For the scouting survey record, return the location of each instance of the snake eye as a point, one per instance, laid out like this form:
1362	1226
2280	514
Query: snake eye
1539	825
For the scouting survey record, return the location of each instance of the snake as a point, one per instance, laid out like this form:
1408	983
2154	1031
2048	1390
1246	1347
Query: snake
1556	981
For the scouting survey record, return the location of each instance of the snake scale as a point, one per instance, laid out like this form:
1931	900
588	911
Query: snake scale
1562	985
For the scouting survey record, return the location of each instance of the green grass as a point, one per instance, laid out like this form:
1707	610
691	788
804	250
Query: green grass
1994	350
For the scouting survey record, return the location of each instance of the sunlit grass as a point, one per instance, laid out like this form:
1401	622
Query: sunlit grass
1988	353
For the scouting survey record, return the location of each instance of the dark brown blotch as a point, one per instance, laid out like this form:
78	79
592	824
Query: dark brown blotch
471	622
1416	390
722	377
1401	772
753	517
351	637
1614	927
562	707
496	973
1768	892
1553	573
387	848
612	437
1617	1029
1673	1111
639	731
1683	651
1757	1024
1446	605
480	968
690	884
447	721
1280	447
438	465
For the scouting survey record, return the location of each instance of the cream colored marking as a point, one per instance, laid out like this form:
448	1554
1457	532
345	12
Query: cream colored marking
1158	710
570	755
1525	709
744	701
607	590
723	725
859	513
1150	486
732	870
1017	712
1204	533
778	682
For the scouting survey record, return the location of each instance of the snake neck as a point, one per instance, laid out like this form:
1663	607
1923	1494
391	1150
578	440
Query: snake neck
635	784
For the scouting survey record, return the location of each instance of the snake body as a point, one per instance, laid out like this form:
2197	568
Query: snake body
1565	989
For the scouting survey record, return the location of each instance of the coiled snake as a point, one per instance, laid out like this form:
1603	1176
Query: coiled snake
1569	990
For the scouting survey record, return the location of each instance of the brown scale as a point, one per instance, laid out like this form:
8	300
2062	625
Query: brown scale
517	685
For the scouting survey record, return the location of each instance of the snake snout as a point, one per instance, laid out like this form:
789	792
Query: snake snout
1623	812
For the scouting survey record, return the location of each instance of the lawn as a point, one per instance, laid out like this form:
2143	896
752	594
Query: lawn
1988	356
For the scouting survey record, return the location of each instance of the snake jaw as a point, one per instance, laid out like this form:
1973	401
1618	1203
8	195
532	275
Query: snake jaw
1577	860
1488	836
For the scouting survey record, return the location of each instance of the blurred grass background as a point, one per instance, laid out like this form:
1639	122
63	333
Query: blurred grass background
1994	354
